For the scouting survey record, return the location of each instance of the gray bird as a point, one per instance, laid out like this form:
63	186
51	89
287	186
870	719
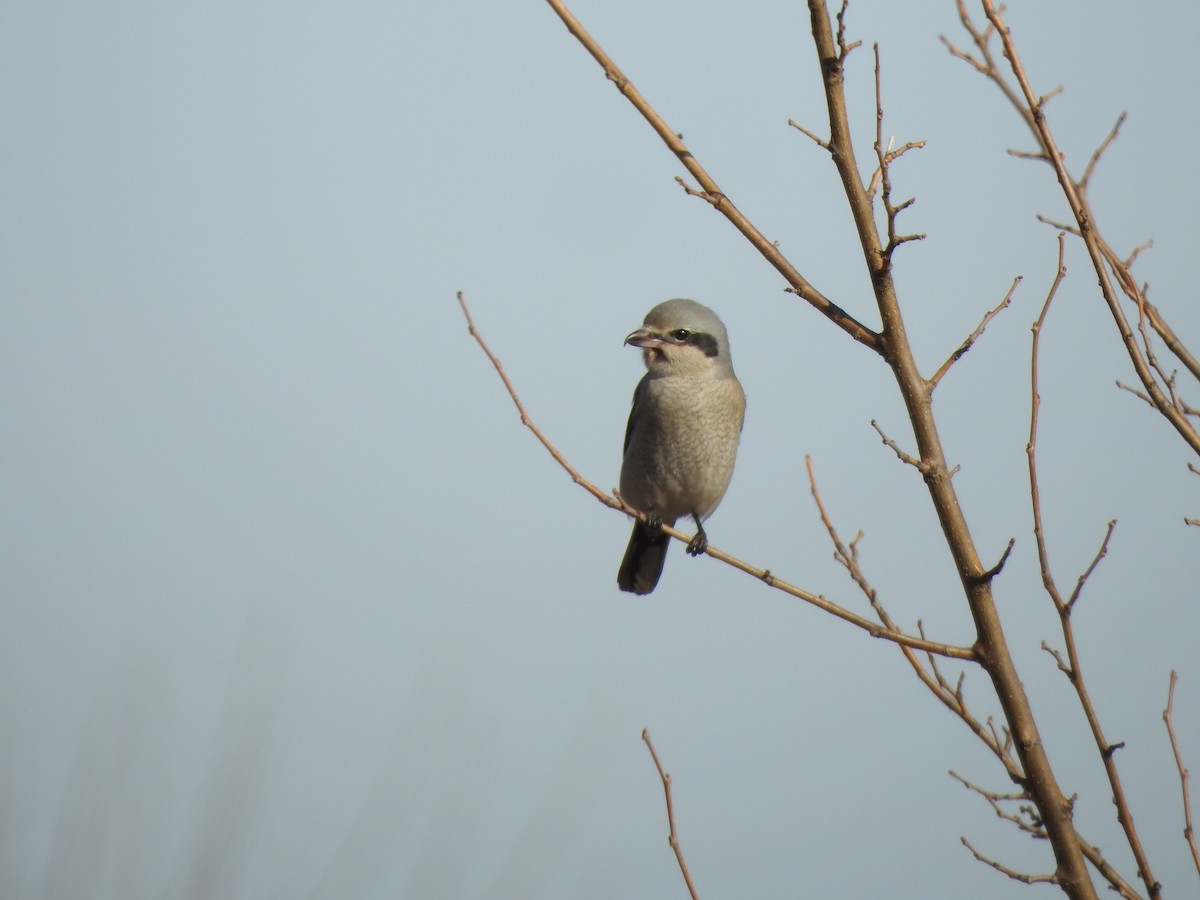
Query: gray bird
683	433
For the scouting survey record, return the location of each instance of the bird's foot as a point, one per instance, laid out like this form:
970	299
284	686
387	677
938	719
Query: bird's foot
698	544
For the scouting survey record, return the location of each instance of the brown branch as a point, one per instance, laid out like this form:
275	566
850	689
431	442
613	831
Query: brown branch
1120	268
1091	166
1189	833
526	420
1072	666
1102	256
1108	873
1011	873
1026	819
932	678
884	158
991	647
974	335
895	448
823	144
1031	447
764	575
1100	554
672	837
720	200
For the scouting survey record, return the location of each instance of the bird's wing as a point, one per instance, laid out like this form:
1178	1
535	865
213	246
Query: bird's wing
633	412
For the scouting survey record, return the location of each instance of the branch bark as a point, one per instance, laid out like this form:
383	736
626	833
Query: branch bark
710	191
991	645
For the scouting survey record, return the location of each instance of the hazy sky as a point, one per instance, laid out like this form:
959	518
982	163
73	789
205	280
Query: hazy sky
294	606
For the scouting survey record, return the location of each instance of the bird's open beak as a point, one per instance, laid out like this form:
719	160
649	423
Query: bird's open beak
644	337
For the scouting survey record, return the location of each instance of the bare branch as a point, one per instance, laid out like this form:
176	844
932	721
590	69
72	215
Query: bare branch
1135	393
1031	825
526	420
1031	447
1102	256
844	48
848	557
721	201
1011	873
1189	833
974	336
895	448
884	158
672	837
823	144
1091	166
1072	666
999	566
1137	251
1100	554
932	678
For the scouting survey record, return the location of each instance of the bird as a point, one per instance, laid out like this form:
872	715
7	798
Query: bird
683	433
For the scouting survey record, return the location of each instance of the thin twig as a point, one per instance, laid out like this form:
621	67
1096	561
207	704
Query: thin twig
1025	819
932	678
884	157
672	838
1072	665
1091	166
974	335
711	191
1101	256
1189	833
820	142
1011	873
895	448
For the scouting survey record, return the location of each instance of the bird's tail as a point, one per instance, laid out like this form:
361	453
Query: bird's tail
644	558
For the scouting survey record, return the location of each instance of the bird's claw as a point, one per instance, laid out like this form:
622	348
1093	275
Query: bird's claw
698	544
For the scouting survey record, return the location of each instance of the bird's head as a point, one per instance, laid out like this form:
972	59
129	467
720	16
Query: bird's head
683	337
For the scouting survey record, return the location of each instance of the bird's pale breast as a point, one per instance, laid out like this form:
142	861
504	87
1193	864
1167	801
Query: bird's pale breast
683	444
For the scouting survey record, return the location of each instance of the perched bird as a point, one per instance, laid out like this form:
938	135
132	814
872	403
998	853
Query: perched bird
682	435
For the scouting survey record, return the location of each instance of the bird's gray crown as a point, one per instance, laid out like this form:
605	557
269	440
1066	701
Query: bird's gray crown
704	329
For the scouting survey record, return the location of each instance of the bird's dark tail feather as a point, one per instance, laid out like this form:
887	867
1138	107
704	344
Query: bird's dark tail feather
644	558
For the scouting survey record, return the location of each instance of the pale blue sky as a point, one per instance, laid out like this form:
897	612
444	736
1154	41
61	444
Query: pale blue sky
293	605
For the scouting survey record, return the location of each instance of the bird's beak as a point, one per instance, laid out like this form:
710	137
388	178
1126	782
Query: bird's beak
644	337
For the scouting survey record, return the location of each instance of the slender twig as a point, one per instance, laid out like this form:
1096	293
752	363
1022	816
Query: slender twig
974	335
615	502
1011	873
672	837
820	142
711	191
526	420
1120	267
1031	447
1072	665
932	678
895	448
1091	166
1100	554
1036	771
884	158
1025	819
1101	256
1189	833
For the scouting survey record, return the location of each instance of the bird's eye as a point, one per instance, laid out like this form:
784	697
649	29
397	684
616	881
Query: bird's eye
681	334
